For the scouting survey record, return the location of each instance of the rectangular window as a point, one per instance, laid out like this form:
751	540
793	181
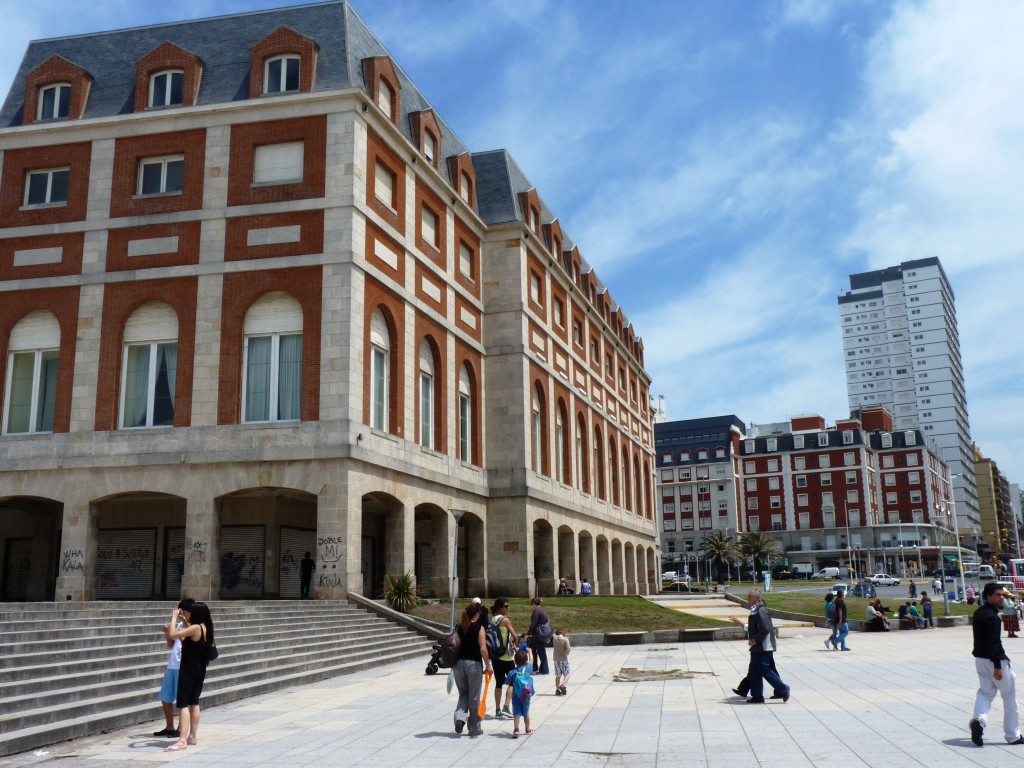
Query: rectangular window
804	520
670	524
798	441
465	419
775	502
799	462
379	389
801	481
849	458
160	175
748	466
150	372
773	465
49	187
559	313
465	260
801	499
823	461
752	503
752	484
914	478
702	474
890	498
773	483
384	185
851	478
273	378
890	479
428	225
852	496
753	524
776	522
887	461
847	437
279	163
826	479
535	287
915	497
823	440
31	392
426	410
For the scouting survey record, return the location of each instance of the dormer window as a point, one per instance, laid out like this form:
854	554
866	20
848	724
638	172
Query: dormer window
166	88
465	186
54	102
429	147
385	97
281	75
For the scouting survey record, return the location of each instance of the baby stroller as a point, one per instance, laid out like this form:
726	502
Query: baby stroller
435	662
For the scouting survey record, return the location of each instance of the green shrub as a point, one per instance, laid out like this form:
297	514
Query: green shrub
400	591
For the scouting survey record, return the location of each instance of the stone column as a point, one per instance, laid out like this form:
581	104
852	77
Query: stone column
400	539
338	540
76	574
201	578
546	562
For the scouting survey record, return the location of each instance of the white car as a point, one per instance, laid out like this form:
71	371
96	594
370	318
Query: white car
884	580
675	577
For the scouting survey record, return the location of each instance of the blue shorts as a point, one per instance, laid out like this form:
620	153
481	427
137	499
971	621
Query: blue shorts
169	689
520	707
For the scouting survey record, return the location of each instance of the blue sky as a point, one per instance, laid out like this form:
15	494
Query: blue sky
725	165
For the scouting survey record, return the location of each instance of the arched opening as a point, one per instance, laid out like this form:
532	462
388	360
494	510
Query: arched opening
545	578
588	563
472	557
629	559
567	559
618	576
604	566
432	547
30	533
384	541
263	535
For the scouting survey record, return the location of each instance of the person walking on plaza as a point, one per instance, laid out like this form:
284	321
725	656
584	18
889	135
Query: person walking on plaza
842	623
995	675
506	662
830	619
761	639
540	633
469	669
560	655
926	609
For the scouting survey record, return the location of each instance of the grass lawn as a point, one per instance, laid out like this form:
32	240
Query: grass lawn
584	614
813	603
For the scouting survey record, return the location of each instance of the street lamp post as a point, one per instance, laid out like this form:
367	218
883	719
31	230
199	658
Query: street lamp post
458	513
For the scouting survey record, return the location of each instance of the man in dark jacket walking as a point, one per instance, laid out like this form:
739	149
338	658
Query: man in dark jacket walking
761	639
994	672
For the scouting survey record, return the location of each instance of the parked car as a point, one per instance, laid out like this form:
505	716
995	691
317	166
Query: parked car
683	584
827	573
884	580
971	574
840	588
669	576
864	588
782	574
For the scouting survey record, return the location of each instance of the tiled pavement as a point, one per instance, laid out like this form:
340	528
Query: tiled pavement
899	699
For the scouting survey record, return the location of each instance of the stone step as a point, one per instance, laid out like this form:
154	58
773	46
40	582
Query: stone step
44	677
32	708
24	739
84	676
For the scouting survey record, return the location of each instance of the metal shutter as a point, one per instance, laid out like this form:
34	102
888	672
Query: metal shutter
155	321
17	567
241	561
295	542
274	312
36	330
174	562
125	563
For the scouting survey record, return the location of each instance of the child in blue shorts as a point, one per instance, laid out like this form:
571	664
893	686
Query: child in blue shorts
520	682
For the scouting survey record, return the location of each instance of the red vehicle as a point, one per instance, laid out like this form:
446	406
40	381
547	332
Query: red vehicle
1016	574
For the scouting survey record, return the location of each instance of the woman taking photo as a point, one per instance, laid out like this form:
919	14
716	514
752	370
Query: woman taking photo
469	670
195	638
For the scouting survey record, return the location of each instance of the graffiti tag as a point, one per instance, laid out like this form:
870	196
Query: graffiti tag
72	560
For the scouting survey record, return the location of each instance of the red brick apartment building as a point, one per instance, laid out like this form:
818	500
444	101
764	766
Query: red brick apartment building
258	299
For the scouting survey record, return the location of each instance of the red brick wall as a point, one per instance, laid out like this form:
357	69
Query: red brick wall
437	250
458	165
424	275
70	263
378	150
128	152
279	43
311	238
379	68
119	301
188	234
163	57
463	234
375	234
56	69
63	303
245	137
241	289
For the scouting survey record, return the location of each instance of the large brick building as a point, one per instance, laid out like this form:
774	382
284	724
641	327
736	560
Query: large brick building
256	298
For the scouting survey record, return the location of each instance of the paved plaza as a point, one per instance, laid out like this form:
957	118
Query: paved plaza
899	699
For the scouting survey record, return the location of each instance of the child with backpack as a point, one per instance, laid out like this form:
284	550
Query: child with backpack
520	682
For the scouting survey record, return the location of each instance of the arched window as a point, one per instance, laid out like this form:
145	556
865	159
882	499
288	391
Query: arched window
613	472
627	486
166	88
638	498
31	388
561	465
426	394
582	476
149	367
536	417
54	101
272	359
465	416
599	466
380	353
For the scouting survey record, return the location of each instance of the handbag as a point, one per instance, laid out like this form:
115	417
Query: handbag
545	632
211	652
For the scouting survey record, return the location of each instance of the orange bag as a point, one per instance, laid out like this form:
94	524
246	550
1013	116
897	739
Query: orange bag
482	709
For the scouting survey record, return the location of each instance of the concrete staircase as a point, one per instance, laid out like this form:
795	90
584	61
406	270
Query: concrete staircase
69	670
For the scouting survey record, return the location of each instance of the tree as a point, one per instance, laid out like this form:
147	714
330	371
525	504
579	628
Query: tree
759	549
721	551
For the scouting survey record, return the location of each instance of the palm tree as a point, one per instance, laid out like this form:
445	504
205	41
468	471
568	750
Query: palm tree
759	549
720	550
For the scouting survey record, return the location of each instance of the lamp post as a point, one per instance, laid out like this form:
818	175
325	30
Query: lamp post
458	513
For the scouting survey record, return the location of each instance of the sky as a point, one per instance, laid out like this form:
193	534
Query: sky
726	165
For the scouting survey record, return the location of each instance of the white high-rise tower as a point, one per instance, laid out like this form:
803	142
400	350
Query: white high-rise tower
902	350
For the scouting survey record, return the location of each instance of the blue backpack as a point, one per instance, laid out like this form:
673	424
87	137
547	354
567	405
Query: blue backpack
522	686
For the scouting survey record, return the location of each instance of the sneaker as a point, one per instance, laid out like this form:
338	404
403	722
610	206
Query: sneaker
739	693
565	692
1019	740
558	691
785	696
827	645
167	732
976	731
529	731
515	734
506	712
